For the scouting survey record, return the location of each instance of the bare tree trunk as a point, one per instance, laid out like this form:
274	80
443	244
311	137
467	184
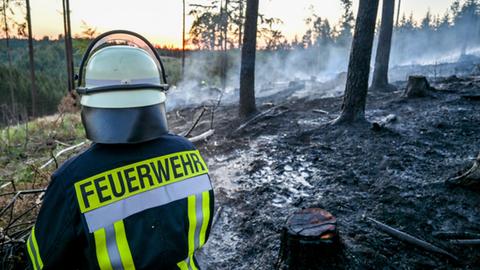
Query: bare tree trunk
32	62
353	108
398	12
225	45
68	44
183	41
240	26
9	57
382	59
247	71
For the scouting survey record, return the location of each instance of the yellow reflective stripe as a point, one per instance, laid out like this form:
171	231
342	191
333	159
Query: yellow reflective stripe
123	182
192	263
182	265
192	223
35	245
101	250
123	247
206	216
32	258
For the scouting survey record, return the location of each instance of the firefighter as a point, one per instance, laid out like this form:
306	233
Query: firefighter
139	197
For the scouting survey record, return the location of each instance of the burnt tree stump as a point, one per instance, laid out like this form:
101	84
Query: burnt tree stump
309	238
417	86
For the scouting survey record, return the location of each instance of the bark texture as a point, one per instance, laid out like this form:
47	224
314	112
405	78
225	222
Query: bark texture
68	44
247	71
33	86
353	108
382	59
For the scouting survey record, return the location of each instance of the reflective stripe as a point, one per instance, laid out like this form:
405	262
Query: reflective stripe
192	224
198	219
102	217
123	182
182	265
206	216
33	251
32	248
192	263
33	260
187	264
112	248
199	216
101	250
36	252
123	247
113	251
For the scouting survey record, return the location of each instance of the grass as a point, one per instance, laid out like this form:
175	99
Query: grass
31	143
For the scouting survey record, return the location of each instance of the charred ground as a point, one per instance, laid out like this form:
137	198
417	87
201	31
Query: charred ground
291	158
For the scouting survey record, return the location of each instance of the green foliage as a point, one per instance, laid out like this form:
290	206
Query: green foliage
212	21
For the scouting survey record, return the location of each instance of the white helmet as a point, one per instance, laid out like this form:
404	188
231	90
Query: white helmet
122	84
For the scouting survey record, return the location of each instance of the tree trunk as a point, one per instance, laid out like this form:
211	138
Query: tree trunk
247	71
225	45
380	74
398	13
68	44
353	107
183	41
10	77
32	62
240	25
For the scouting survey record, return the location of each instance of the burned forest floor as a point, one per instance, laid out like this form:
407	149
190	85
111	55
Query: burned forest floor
291	158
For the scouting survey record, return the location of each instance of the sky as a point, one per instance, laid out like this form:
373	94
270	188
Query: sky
161	20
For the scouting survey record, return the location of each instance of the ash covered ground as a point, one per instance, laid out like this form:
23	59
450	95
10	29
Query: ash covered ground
290	158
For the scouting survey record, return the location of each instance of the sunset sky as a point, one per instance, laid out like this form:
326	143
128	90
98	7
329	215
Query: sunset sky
161	20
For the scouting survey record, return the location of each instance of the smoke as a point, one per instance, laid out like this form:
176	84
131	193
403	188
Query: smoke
319	69
277	69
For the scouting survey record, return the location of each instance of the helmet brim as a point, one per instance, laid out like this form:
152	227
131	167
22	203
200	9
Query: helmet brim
125	125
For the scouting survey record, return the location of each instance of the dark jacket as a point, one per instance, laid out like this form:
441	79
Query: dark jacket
134	206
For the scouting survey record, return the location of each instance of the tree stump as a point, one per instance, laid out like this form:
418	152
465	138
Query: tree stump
310	237
417	86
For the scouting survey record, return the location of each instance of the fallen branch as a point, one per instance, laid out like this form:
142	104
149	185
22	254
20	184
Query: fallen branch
15	197
466	242
320	111
470	178
411	239
217	215
177	113
251	120
471	97
60	153
385	121
202	136
25	192
214	109
5	185
62	143
196	122
458	235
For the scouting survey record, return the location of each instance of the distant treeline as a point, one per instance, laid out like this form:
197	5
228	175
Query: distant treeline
324	46
51	75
